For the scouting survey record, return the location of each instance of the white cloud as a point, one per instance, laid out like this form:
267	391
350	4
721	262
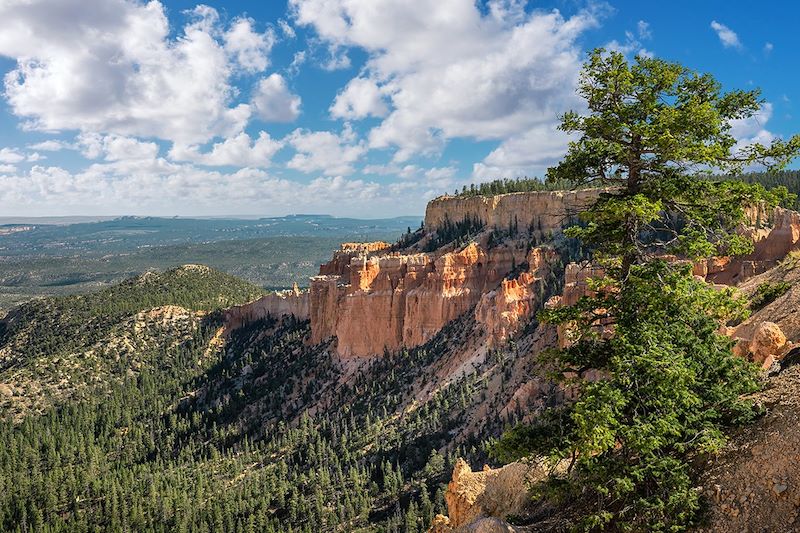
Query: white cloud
163	188
7	169
298	59
337	58
768	48
273	101
50	145
448	71
115	67
112	147
440	177
325	151
727	36
753	129
361	98
404	171
516	156
643	29
240	151
337	187
249	49
633	41
11	155
287	29
118	148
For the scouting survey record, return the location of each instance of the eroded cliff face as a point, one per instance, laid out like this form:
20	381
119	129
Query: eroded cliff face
504	310
385	302
541	212
374	297
276	304
774	235
489	493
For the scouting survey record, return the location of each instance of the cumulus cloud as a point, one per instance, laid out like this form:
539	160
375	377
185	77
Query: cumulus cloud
727	36
117	67
273	101
344	189
11	155
51	145
448	70
753	129
249	49
240	150
15	155
515	158
158	186
324	151
361	98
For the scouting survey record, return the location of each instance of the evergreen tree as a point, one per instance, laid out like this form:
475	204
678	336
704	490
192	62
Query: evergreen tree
668	383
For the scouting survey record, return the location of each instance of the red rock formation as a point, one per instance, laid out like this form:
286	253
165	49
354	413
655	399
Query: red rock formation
291	302
339	265
502	310
779	236
384	302
477	501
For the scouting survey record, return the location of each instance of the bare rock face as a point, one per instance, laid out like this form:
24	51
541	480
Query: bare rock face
276	304
504	309
385	302
339	265
478	501
772	242
767	343
542	212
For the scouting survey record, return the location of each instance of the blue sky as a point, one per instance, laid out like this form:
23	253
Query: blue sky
363	108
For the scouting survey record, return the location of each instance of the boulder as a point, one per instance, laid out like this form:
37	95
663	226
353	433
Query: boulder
768	344
493	494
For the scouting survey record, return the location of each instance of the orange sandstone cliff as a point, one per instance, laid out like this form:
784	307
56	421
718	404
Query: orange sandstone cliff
385	302
374	297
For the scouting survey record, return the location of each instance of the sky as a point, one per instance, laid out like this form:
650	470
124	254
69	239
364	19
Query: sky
360	108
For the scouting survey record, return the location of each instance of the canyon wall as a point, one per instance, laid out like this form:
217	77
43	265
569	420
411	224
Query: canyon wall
772	241
503	310
541	212
385	302
374	298
276	304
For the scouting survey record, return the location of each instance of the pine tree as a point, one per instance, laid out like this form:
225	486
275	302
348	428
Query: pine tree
670	385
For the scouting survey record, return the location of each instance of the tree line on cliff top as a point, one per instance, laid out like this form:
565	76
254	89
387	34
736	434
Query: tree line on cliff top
669	384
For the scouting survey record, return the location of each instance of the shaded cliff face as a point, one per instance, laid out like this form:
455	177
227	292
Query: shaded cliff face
504	310
276	304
